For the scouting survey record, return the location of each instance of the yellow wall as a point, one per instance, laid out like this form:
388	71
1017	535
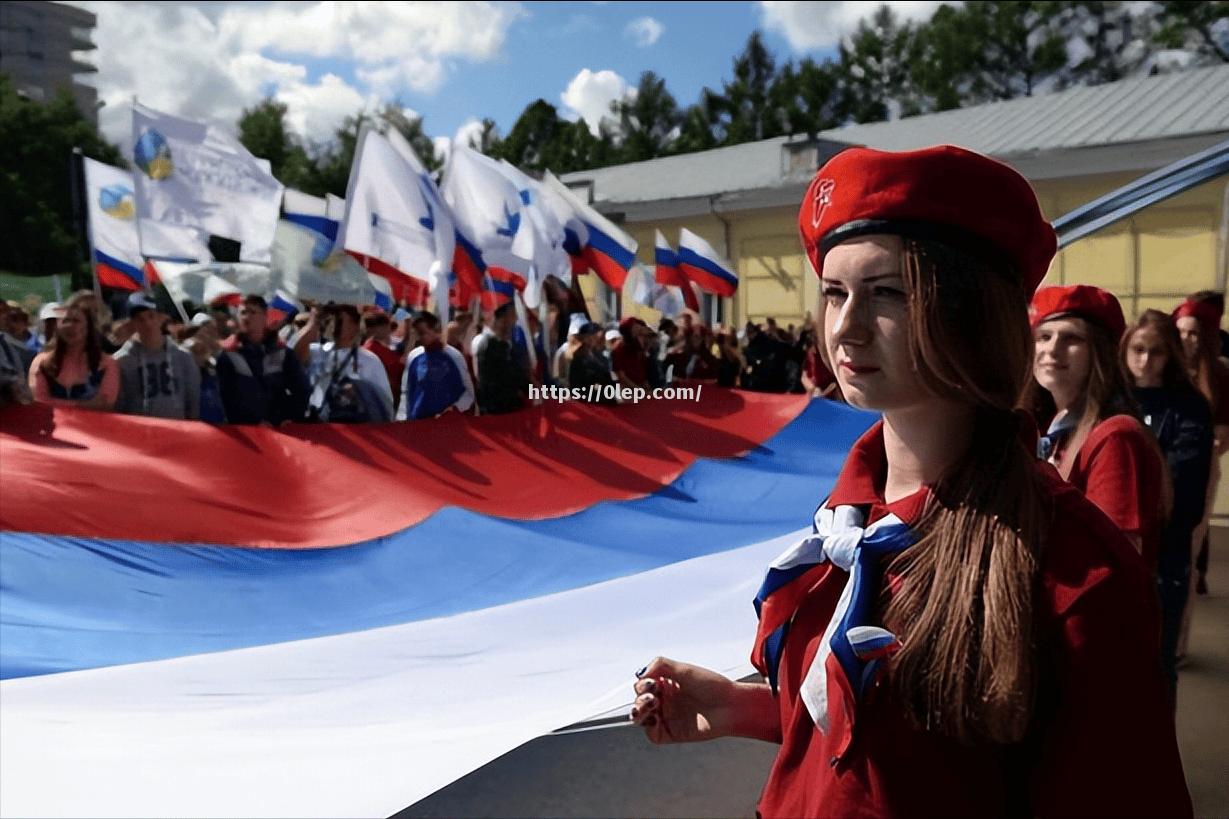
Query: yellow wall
1151	260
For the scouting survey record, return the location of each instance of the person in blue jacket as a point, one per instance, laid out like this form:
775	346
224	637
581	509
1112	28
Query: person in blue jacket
436	378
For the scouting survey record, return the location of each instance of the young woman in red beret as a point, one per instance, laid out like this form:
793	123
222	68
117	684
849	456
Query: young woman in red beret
1080	395
1198	321
1181	420
960	634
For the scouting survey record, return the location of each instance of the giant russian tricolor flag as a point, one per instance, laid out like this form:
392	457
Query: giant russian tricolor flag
700	262
114	241
308	622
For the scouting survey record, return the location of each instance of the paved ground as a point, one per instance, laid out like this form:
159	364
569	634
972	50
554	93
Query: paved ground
1203	690
615	772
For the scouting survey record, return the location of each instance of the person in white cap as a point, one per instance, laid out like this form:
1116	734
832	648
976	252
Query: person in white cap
613	337
563	356
48	317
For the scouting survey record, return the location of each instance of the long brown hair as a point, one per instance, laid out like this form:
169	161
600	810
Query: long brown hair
1108	392
93	345
1175	374
964	607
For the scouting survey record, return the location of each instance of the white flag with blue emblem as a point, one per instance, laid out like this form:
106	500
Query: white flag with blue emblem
305	266
115	246
193	180
394	216
489	211
664	299
550	258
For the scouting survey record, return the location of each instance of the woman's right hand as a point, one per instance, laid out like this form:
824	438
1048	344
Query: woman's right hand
678	702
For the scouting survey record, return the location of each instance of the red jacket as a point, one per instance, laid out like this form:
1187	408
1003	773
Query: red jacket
1102	741
1119	468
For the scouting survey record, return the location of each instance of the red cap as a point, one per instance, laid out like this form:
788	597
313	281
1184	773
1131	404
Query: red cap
1082	300
1206	314
944	193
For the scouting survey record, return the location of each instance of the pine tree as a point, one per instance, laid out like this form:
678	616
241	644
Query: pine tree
648	121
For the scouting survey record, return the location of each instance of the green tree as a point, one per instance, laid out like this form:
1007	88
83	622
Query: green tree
1116	38
698	127
263	131
576	148
488	141
534	140
1199	27
746	102
808	97
649	121
874	74
36	211
992	50
332	161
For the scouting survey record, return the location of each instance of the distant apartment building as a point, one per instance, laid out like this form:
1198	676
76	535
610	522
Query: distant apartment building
39	45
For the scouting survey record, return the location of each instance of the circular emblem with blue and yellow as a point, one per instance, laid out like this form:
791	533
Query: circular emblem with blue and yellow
117	201
153	155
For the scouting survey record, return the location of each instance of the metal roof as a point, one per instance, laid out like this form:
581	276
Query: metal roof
1162	107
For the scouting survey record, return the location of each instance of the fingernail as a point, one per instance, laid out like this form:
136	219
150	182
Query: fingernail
650	684
640	673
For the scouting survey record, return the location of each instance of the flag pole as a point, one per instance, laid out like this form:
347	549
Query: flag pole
77	186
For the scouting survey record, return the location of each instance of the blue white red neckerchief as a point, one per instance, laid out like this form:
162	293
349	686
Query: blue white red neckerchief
857	646
1059	429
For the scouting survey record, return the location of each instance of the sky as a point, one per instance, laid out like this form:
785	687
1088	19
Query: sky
450	63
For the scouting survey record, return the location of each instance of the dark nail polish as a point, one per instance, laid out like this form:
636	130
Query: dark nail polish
640	673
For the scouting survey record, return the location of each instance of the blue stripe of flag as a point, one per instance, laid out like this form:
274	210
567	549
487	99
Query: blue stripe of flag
128	270
319	224
688	256
607	246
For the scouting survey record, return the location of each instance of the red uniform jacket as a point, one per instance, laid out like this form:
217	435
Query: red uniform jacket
1102	741
1119	468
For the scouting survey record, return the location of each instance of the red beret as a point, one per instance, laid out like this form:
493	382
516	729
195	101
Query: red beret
1205	313
943	193
1082	300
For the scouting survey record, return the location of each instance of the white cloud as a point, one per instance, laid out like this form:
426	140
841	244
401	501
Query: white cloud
644	31
443	147
470	132
208	61
589	94
809	26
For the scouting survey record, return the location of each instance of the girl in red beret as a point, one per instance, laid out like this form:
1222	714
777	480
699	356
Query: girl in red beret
1181	420
1198	320
959	635
1080	395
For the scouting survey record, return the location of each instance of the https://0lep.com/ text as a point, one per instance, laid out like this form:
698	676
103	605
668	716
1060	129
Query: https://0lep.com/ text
595	393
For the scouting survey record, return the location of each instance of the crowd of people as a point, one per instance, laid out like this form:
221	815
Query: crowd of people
343	364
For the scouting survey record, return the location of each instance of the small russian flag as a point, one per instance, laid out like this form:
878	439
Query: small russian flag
282	308
610	255
669	274
705	266
117	274
469	269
